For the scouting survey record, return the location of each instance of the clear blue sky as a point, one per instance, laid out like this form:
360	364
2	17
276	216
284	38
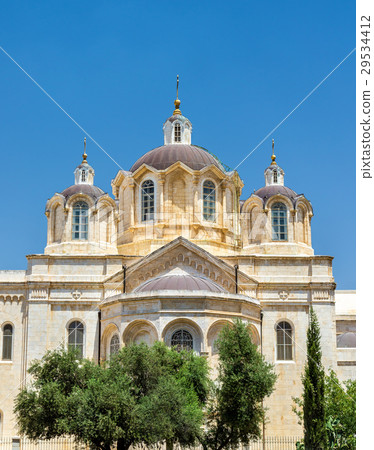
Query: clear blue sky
243	67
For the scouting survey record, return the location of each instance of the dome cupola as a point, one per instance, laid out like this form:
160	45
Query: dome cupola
84	173
177	128
274	175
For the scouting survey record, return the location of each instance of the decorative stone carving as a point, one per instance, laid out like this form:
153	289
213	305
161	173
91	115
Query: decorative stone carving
321	295
283	295
39	294
76	294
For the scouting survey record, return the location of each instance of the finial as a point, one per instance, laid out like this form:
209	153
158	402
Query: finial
273	156
177	102
84	154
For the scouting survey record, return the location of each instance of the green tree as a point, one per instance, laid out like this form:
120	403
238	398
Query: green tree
315	436
340	412
117	402
234	411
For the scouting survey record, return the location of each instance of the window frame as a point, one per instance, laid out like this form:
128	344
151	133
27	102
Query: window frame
286	334
279	213
83	206
208	211
6	324
177	132
143	193
69	334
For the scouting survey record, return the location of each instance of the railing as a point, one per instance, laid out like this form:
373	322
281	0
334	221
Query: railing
9	443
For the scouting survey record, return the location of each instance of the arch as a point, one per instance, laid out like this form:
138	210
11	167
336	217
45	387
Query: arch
80	221
279	219
147	195
7	341
182	340
76	335
284	330
139	331
255	335
209	201
110	330
188	325
213	333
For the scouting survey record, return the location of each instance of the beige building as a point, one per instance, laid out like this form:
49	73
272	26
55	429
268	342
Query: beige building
174	255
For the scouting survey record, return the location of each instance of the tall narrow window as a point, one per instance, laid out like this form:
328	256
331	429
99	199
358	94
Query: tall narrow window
76	337
7	342
114	345
177	132
148	200
80	221
284	341
209	201
182	339
275	176
83	175
279	222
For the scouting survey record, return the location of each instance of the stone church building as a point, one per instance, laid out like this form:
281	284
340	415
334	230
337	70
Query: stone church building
174	254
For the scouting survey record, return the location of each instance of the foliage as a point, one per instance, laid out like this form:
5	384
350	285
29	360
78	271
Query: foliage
315	435
143	395
234	409
339	405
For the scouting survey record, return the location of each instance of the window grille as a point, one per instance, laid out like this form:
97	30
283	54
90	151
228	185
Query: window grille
209	201
279	222
80	221
182	340
83	175
177	133
284	341
275	176
76	337
148	200
114	345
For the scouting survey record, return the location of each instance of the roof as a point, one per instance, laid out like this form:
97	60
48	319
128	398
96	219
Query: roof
269	191
87	189
163	157
180	282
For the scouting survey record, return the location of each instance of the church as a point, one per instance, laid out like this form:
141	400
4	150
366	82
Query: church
174	254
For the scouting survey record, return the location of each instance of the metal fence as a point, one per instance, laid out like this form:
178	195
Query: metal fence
271	443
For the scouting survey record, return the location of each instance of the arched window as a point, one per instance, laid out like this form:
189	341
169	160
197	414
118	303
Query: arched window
7	342
76	337
80	221
177	132
182	340
284	341
209	201
279	222
148	200
114	345
275	176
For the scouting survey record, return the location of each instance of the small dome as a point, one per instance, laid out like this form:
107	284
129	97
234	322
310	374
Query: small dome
185	282
346	340
87	189
163	157
269	191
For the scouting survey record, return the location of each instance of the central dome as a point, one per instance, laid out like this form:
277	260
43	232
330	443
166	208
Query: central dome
179	282
163	157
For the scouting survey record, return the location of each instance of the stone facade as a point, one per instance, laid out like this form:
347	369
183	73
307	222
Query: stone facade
176	254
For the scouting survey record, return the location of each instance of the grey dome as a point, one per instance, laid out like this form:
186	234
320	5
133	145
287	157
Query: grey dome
269	191
87	189
163	157
346	340
184	282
